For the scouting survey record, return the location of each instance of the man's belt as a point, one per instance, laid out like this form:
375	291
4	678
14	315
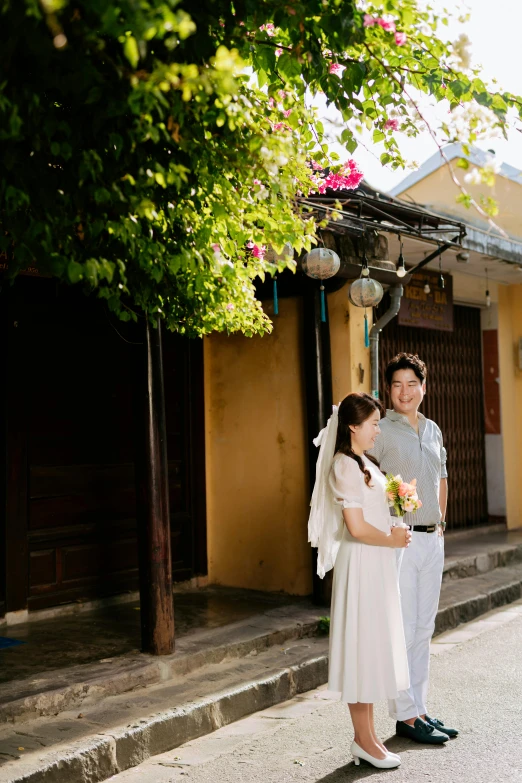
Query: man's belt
423	528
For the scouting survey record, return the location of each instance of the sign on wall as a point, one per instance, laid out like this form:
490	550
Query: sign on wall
427	309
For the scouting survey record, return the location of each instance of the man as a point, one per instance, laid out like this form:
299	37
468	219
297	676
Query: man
411	444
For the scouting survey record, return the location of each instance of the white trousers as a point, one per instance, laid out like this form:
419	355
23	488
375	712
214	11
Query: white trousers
420	575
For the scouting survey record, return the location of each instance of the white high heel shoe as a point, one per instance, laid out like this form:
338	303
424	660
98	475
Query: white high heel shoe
389	762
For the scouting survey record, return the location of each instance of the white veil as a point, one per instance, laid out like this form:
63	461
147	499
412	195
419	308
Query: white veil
325	523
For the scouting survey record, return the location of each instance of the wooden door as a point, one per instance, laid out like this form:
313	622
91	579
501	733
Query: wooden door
80	526
454	400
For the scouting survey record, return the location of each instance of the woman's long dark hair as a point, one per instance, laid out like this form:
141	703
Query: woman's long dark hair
354	410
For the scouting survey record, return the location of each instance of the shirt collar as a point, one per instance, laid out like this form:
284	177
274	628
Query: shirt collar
394	416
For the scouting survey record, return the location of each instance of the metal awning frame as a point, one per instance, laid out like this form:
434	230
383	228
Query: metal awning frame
423	225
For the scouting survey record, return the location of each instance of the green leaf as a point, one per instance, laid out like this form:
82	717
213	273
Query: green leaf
131	51
74	272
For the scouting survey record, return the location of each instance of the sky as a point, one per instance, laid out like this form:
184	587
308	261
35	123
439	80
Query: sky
494	30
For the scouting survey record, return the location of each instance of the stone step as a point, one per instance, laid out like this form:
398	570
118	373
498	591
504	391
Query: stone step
53	692
122	731
487	553
464	599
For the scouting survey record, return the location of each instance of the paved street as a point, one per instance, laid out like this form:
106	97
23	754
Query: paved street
476	686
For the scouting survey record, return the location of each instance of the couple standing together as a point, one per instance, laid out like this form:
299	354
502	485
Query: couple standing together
384	602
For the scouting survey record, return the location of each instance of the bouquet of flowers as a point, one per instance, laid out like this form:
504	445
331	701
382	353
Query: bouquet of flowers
401	495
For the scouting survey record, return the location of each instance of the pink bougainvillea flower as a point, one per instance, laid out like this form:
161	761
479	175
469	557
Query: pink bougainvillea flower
216	248
391	125
230	306
259	252
278	52
269	29
277	126
282	94
271	103
400	38
347	178
317	166
369	21
387	26
336	68
250	245
287	113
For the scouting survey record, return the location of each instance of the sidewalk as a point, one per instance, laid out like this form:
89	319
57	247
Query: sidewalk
114	631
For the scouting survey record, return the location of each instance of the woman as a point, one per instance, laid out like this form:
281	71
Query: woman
368	660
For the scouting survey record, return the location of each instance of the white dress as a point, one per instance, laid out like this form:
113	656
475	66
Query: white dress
368	660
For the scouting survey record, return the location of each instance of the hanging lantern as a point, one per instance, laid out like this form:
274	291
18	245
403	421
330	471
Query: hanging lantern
272	255
321	263
365	292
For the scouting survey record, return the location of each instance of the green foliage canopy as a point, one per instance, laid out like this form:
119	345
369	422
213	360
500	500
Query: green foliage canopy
143	148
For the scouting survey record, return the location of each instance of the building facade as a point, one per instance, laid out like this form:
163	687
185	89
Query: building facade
240	411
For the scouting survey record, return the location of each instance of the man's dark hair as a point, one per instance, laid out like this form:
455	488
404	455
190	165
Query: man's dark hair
406	361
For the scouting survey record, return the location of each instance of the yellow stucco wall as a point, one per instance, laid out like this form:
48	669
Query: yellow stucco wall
437	190
509	332
256	461
347	345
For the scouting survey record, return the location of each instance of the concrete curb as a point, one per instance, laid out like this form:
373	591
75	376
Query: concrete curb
107	755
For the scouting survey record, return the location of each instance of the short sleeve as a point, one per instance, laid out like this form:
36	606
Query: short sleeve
443	458
346	482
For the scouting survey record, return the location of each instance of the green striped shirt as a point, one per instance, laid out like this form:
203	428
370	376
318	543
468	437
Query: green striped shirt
400	449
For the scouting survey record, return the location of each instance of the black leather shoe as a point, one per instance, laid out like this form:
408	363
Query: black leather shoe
439	726
420	732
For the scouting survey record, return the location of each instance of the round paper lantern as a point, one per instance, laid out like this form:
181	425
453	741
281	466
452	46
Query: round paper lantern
365	292
321	263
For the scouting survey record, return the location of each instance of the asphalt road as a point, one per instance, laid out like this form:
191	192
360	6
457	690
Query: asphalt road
476	686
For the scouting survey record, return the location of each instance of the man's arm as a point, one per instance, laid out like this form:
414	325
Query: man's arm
443	499
443	489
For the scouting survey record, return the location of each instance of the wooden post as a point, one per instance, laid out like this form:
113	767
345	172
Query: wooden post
157	606
318	380
14	468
